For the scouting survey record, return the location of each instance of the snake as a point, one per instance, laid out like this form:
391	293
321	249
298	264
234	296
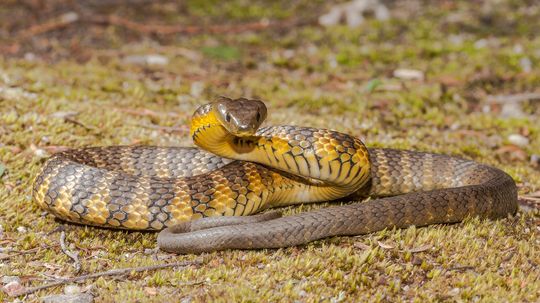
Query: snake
214	196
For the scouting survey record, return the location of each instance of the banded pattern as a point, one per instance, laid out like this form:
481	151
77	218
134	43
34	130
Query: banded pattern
149	188
425	197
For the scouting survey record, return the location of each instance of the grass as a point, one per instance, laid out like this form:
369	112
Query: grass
336	78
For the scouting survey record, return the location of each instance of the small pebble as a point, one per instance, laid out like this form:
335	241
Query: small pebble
409	74
454	292
151	59
417	261
518	49
69	17
526	64
72	289
151	251
22	229
9	279
29	56
535	160
78	298
512	110
518	140
482	43
40	153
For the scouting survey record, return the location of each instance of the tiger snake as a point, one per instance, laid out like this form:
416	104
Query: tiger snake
201	199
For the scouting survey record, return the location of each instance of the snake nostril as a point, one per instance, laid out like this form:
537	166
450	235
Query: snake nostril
243	127
228	117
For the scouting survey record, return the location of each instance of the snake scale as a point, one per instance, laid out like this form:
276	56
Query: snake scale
243	168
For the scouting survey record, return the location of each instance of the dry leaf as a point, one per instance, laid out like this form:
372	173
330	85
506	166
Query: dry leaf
385	246
151	291
512	152
64	115
420	248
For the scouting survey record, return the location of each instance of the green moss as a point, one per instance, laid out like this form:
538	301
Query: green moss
295	73
222	52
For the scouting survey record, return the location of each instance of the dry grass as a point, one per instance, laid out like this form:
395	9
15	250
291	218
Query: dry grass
336	78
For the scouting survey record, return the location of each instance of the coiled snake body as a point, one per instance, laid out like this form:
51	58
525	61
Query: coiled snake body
151	188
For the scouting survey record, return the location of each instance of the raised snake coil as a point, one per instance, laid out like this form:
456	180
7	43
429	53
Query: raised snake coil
150	188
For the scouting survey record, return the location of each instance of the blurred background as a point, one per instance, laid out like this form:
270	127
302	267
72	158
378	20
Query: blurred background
390	62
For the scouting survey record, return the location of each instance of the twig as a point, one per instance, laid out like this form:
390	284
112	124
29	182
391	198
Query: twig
73	121
113	272
191	29
461	268
24	252
73	255
56	23
513	98
529	203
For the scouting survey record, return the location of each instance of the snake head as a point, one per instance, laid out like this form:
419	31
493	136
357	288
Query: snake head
241	117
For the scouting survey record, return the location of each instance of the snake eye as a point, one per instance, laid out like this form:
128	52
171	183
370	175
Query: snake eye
258	117
228	117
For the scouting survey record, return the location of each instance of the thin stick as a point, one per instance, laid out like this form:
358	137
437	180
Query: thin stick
73	255
513	98
53	24
183	29
113	272
24	252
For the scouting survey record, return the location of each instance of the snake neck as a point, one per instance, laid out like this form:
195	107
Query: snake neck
324	158
209	134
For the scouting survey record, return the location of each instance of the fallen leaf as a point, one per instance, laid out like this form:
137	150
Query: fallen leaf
13	288
150	59
151	291
409	74
64	115
417	261
529	203
535	194
420	248
512	152
385	246
518	140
